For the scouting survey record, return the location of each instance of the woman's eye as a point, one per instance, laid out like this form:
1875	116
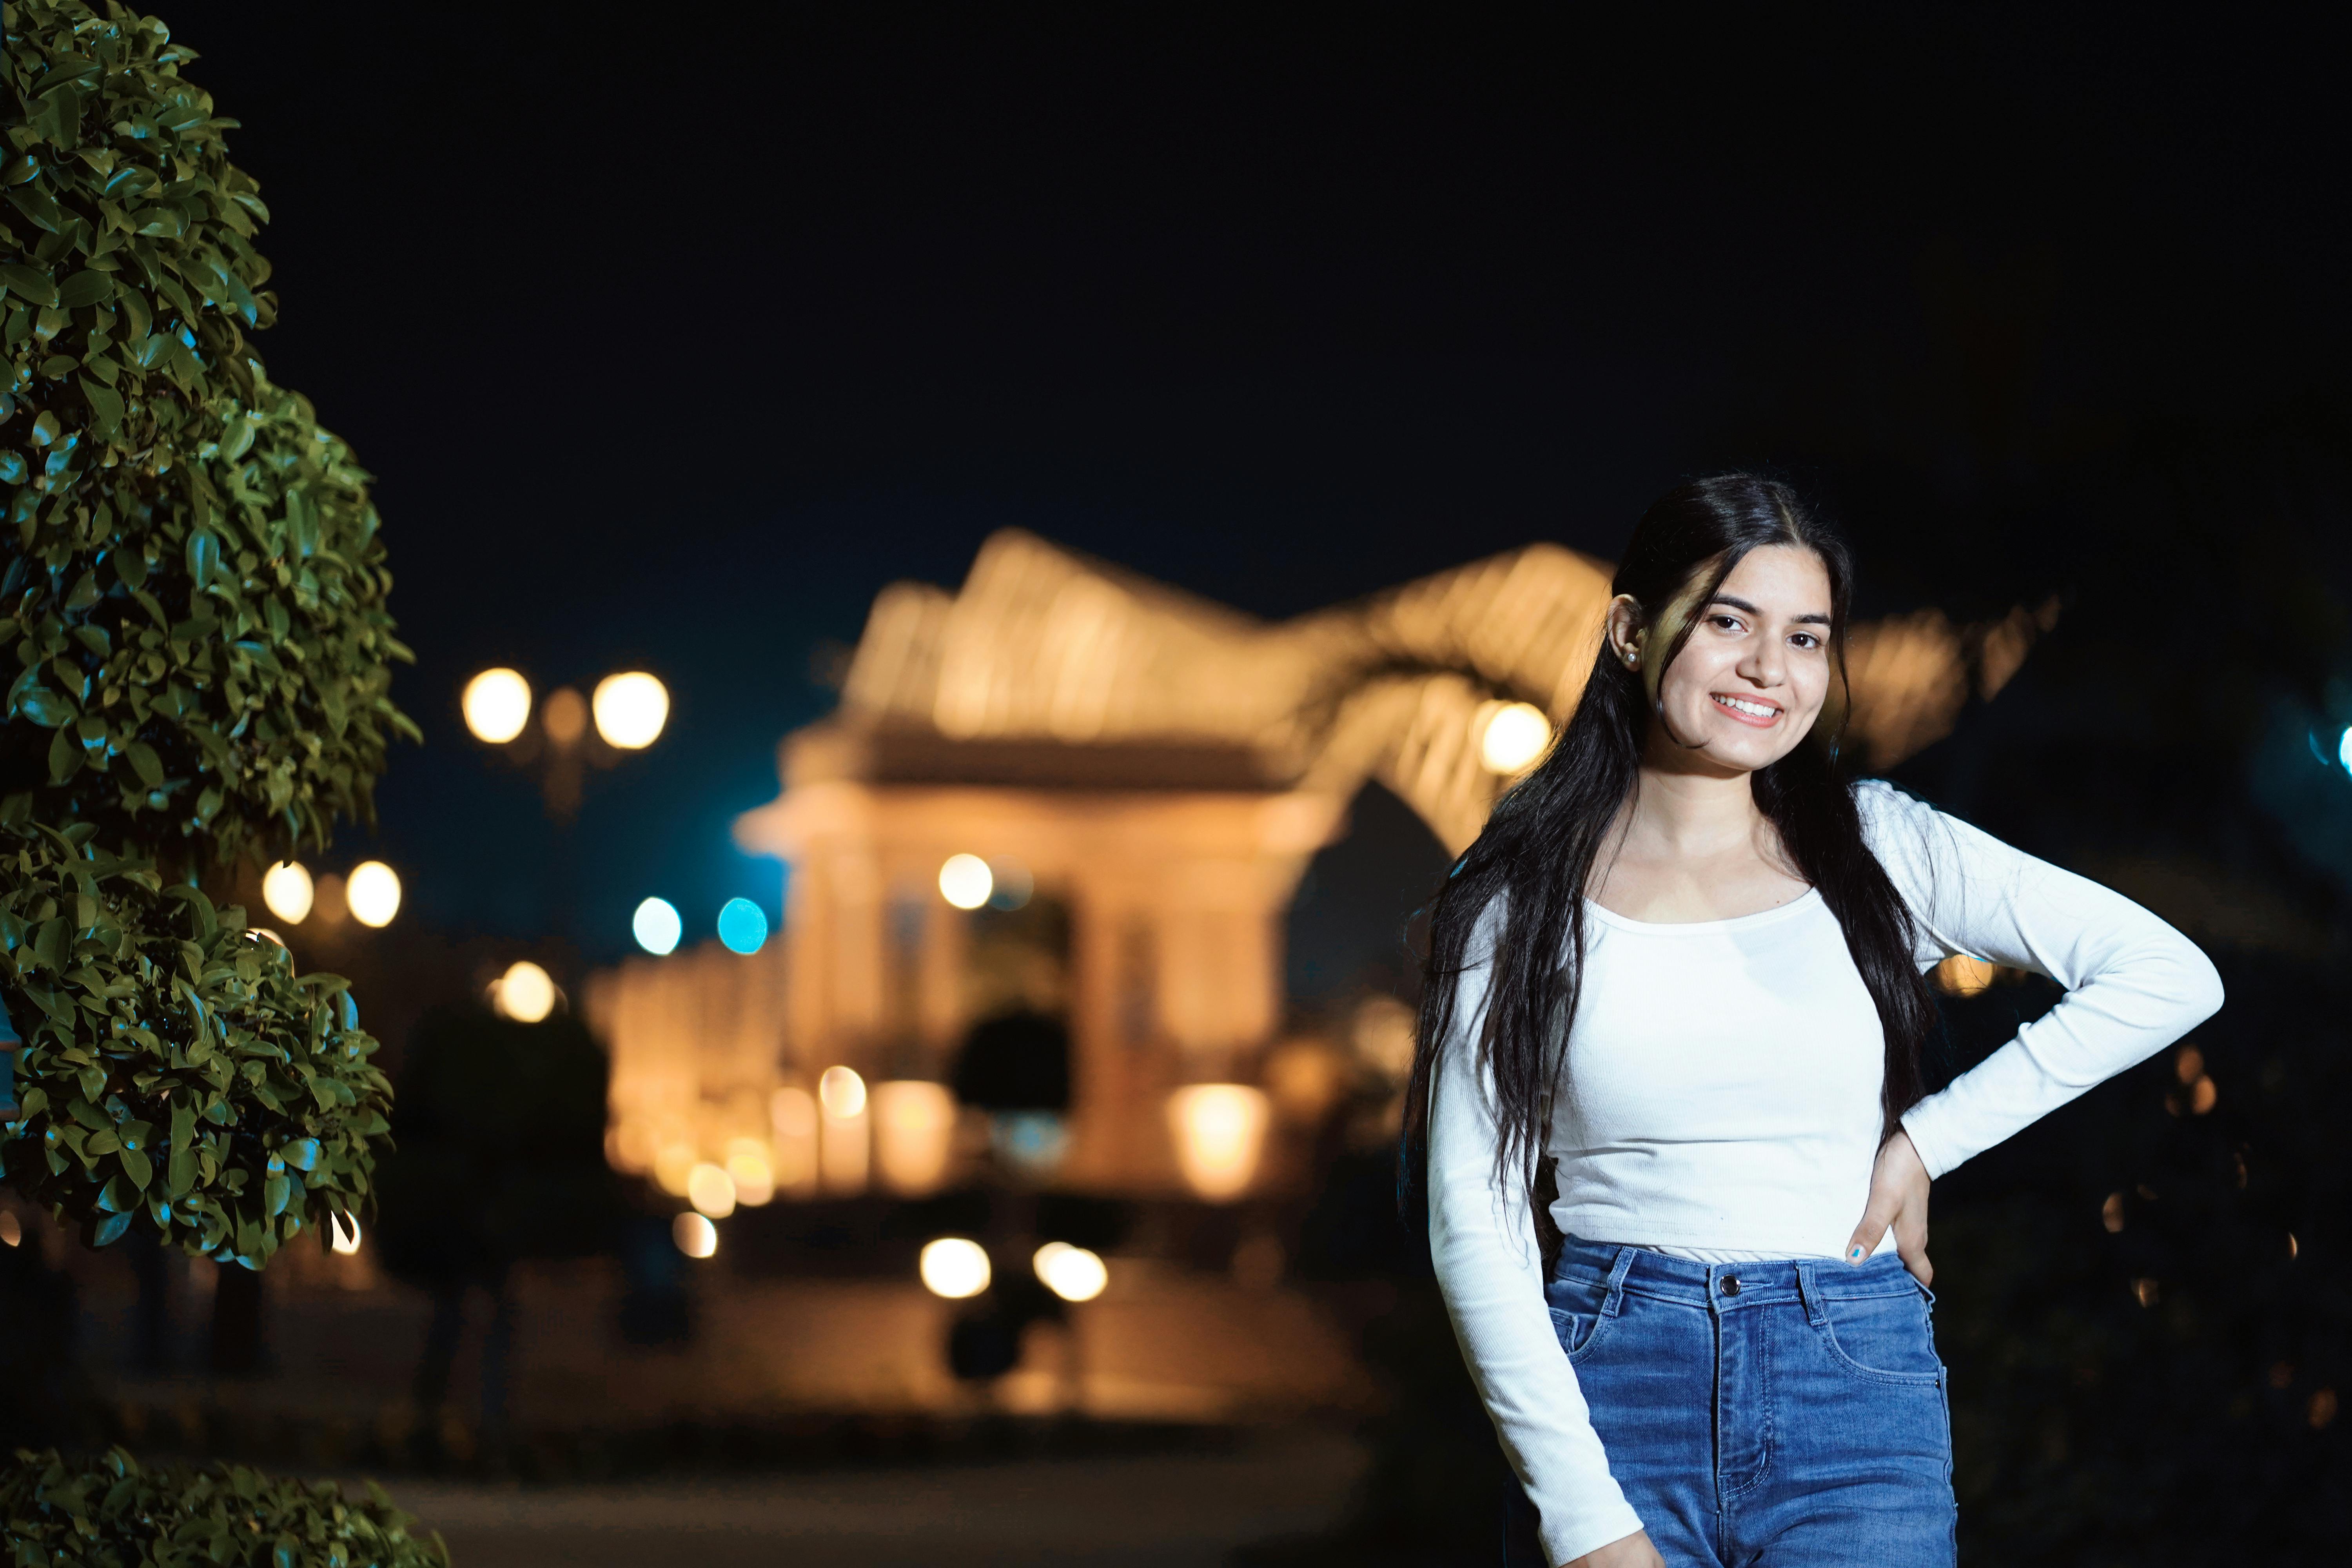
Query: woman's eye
1728	623
1806	639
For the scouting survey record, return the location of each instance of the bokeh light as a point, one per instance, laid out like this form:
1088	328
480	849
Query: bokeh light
696	1236
954	1267
842	1092
631	709
287	890
914	1134
346	1231
1515	736
1070	1272
525	993
742	928
752	1172
373	893
673	1164
657	926
1012	885
966	881
497	705
711	1191
1220	1129
2344	750
565	716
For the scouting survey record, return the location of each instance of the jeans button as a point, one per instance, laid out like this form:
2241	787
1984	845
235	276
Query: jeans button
1731	1286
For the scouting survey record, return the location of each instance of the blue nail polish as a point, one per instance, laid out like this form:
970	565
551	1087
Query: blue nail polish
1856	1253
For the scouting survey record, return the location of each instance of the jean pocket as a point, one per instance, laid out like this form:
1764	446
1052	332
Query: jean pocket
1887	1339
1578	1314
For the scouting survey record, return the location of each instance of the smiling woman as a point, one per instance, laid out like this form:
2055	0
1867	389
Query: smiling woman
1680	972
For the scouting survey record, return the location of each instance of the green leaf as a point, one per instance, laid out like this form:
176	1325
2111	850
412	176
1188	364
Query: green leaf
145	762
105	408
83	289
138	1166
28	284
65	755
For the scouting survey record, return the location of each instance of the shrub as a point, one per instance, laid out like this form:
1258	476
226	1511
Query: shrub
109	1509
194	648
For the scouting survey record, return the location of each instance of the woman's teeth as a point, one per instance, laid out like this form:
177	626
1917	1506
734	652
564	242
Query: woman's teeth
1758	710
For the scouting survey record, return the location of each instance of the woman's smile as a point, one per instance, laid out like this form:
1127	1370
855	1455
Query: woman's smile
1760	711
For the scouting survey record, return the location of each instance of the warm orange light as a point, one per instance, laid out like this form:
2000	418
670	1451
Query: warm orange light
1220	1129
373	893
287	890
711	1191
845	1150
1070	1272
914	1131
525	993
1513	736
954	1267
842	1092
1961	976
749	1167
966	881
631	709
793	1120
694	1234
497	705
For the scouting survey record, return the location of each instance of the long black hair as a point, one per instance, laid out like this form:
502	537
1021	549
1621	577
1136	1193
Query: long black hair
1538	850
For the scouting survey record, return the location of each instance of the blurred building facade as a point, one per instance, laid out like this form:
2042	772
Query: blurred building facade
1144	777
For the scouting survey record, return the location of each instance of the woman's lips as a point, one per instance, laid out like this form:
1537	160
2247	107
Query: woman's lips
1749	709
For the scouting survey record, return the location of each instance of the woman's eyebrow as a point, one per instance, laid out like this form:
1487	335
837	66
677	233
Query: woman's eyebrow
1744	604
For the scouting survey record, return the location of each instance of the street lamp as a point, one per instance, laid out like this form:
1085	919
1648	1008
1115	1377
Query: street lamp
629	712
631	709
287	890
373	892
497	705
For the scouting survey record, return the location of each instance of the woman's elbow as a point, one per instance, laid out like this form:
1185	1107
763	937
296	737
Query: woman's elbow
2200	985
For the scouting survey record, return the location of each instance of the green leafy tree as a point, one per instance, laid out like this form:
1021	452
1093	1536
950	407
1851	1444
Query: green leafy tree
109	1509
195	651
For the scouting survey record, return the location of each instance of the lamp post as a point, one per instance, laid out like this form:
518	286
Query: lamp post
572	733
627	713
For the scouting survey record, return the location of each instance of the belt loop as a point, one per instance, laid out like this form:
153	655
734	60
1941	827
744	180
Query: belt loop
1617	1280
1810	1290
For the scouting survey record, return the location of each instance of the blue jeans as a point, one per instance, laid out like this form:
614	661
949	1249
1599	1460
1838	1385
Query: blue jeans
1759	1413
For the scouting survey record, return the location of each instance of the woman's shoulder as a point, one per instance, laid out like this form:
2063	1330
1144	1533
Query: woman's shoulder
1907	834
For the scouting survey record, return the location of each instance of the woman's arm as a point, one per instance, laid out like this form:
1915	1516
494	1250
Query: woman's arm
2133	983
1484	1244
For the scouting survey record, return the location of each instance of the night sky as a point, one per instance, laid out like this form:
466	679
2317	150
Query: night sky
673	333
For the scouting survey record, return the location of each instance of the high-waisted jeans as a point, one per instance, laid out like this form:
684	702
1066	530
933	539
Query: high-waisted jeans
1775	1414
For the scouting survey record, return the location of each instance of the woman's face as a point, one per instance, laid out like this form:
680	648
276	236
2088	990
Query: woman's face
1751	679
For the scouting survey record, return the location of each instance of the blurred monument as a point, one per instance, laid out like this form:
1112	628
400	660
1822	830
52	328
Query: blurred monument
1156	772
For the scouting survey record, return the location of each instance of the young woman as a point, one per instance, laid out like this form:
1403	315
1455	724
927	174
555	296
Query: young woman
1681	973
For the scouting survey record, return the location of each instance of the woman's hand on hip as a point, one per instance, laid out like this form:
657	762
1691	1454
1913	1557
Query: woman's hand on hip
1898	1199
1632	1550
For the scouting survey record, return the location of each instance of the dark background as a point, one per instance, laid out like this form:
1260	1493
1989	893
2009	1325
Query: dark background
673	333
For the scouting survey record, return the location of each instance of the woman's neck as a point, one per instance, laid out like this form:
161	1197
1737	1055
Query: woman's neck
1688	807
1691	845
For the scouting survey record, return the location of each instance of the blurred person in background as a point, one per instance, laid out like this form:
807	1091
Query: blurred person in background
1670	1052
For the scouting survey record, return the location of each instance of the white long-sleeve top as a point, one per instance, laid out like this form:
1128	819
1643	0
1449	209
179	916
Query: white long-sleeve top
1721	1100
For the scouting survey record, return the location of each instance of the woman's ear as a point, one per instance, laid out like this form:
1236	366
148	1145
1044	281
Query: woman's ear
1623	628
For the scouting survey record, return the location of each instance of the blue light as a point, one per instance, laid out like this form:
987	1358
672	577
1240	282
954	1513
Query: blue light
741	926
657	926
2344	750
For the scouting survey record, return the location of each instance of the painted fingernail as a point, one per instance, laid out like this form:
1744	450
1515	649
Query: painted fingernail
1855	1256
